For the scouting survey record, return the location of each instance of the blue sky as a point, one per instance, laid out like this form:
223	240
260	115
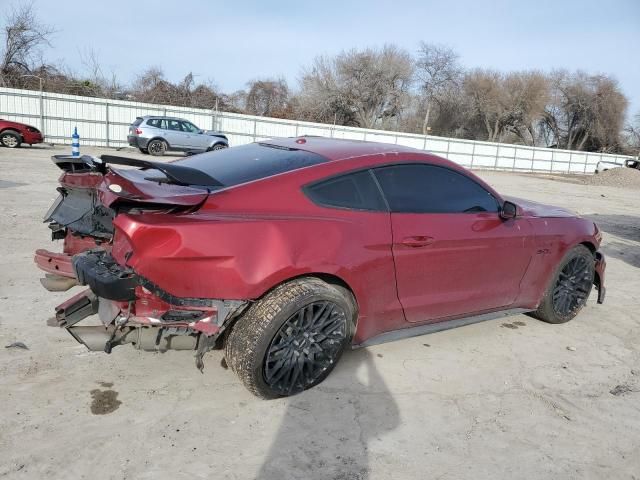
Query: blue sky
232	42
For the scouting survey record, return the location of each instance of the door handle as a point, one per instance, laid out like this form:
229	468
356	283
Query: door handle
418	241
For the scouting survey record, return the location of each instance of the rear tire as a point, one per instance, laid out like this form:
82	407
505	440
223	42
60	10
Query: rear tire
569	288
292	338
157	147
10	139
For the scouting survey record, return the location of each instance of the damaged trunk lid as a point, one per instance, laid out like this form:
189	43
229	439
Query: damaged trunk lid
91	193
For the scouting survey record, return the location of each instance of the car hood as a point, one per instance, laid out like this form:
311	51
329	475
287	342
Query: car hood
214	133
535	209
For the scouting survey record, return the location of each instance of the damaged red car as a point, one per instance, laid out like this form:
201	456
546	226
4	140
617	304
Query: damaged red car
288	251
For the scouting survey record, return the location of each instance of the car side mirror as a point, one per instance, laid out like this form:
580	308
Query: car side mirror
508	210
201	131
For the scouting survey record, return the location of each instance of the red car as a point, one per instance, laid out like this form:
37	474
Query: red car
13	134
286	252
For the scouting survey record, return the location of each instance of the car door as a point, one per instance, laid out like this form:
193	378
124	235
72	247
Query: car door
454	254
175	134
197	140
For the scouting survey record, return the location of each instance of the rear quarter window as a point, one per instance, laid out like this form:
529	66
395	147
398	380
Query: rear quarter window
354	191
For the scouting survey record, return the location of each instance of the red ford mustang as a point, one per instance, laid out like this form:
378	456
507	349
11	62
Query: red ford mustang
286	252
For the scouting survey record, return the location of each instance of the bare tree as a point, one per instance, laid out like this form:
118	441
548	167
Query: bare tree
484	90
438	73
152	86
506	104
367	88
96	82
586	112
526	95
268	97
632	135
24	36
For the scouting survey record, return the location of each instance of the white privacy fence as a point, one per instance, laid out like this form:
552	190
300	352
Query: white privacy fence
103	122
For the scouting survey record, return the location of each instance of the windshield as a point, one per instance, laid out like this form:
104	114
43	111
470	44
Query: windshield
245	163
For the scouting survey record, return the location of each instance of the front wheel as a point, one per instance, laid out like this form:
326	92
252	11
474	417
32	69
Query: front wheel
292	338
10	139
569	288
219	146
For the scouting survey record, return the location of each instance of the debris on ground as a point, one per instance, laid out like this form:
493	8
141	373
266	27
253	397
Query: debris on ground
17	345
621	390
571	349
616	177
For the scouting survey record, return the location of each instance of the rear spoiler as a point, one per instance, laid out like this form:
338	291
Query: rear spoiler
177	174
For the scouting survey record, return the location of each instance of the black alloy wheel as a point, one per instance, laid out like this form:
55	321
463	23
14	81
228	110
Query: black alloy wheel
306	345
291	339
569	288
573	286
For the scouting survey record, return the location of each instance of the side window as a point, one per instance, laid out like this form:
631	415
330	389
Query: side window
356	191
154	122
190	127
175	125
415	188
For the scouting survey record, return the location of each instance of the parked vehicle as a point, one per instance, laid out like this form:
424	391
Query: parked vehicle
604	165
157	135
288	251
14	134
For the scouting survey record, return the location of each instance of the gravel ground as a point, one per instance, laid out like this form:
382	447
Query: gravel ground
616	177
513	398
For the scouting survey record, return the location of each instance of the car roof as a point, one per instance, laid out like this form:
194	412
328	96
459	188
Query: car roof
345	152
147	117
334	149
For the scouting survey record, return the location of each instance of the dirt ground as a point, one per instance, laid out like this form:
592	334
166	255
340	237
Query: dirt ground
513	398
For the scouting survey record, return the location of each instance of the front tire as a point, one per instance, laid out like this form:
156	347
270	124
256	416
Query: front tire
157	147
292	338
219	146
569	288
10	139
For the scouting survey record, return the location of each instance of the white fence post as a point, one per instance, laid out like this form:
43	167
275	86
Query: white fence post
473	153
106	115
42	112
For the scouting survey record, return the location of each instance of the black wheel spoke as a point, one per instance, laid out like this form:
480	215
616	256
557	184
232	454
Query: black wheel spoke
305	346
572	287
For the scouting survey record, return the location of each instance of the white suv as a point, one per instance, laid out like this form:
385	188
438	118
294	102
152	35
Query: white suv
156	135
